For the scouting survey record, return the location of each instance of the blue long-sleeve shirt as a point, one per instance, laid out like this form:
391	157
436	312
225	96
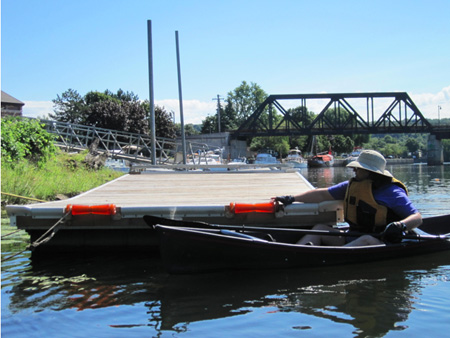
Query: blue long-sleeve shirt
388	195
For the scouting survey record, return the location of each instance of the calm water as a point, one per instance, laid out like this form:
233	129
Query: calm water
116	296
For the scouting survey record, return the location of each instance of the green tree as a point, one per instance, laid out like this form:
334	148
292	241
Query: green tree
119	111
279	144
107	114
360	139
412	144
342	144
301	116
392	149
189	129
245	99
389	139
446	145
165	127
301	142
240	104
69	107
228	117
123	96
209	125
93	97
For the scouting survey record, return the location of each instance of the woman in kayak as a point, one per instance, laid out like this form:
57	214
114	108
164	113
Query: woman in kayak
374	202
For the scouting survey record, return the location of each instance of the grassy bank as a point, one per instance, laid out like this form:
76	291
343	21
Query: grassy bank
64	175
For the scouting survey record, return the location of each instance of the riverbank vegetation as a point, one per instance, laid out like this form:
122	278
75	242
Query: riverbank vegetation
33	167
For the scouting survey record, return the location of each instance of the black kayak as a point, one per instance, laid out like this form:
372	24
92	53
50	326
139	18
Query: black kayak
201	247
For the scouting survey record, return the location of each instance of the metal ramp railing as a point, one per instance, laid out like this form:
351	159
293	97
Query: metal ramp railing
119	144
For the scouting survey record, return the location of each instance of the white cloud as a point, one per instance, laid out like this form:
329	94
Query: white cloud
37	108
194	111
428	103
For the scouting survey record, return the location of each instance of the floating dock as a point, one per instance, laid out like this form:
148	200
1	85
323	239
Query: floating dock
199	196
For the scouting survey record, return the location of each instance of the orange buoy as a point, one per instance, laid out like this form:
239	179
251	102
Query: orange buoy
104	209
241	208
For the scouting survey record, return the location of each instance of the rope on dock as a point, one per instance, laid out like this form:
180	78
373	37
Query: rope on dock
54	229
48	235
23	197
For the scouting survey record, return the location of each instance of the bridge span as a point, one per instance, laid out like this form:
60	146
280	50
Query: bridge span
350	113
343	114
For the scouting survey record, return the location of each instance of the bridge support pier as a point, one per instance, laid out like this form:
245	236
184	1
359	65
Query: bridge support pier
435	151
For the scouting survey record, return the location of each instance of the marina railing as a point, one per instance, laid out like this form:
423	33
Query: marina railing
119	144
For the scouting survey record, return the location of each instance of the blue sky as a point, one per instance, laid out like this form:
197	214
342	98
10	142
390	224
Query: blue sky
284	46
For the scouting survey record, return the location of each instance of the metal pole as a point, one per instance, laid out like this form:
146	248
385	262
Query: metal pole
439	115
218	113
183	137
151	96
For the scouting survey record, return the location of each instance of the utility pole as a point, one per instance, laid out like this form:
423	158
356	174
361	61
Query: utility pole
218	112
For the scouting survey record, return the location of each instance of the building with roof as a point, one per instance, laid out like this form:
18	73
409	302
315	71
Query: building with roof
11	106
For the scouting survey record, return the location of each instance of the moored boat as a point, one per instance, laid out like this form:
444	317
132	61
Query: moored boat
237	163
352	157
210	158
321	160
191	250
295	159
266	158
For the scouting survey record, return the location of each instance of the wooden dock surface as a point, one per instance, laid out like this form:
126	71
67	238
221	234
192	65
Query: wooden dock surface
190	189
198	196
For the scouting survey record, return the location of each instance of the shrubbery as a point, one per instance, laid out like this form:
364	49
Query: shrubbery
32	166
25	139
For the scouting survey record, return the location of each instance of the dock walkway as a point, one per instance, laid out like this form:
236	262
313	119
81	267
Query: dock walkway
199	196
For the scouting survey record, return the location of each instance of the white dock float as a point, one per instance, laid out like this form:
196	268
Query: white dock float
202	196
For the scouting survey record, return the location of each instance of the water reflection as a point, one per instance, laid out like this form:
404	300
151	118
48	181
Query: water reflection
373	298
418	177
428	186
325	177
82	283
132	295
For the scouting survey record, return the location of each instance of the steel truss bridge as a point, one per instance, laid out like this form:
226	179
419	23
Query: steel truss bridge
344	114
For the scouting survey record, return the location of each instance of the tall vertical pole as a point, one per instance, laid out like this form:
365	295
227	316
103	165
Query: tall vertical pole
183	137
439	115
151	96
218	113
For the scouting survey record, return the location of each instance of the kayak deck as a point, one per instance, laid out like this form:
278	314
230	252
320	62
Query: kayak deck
188	250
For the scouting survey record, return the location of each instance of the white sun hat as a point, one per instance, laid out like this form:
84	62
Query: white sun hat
371	160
